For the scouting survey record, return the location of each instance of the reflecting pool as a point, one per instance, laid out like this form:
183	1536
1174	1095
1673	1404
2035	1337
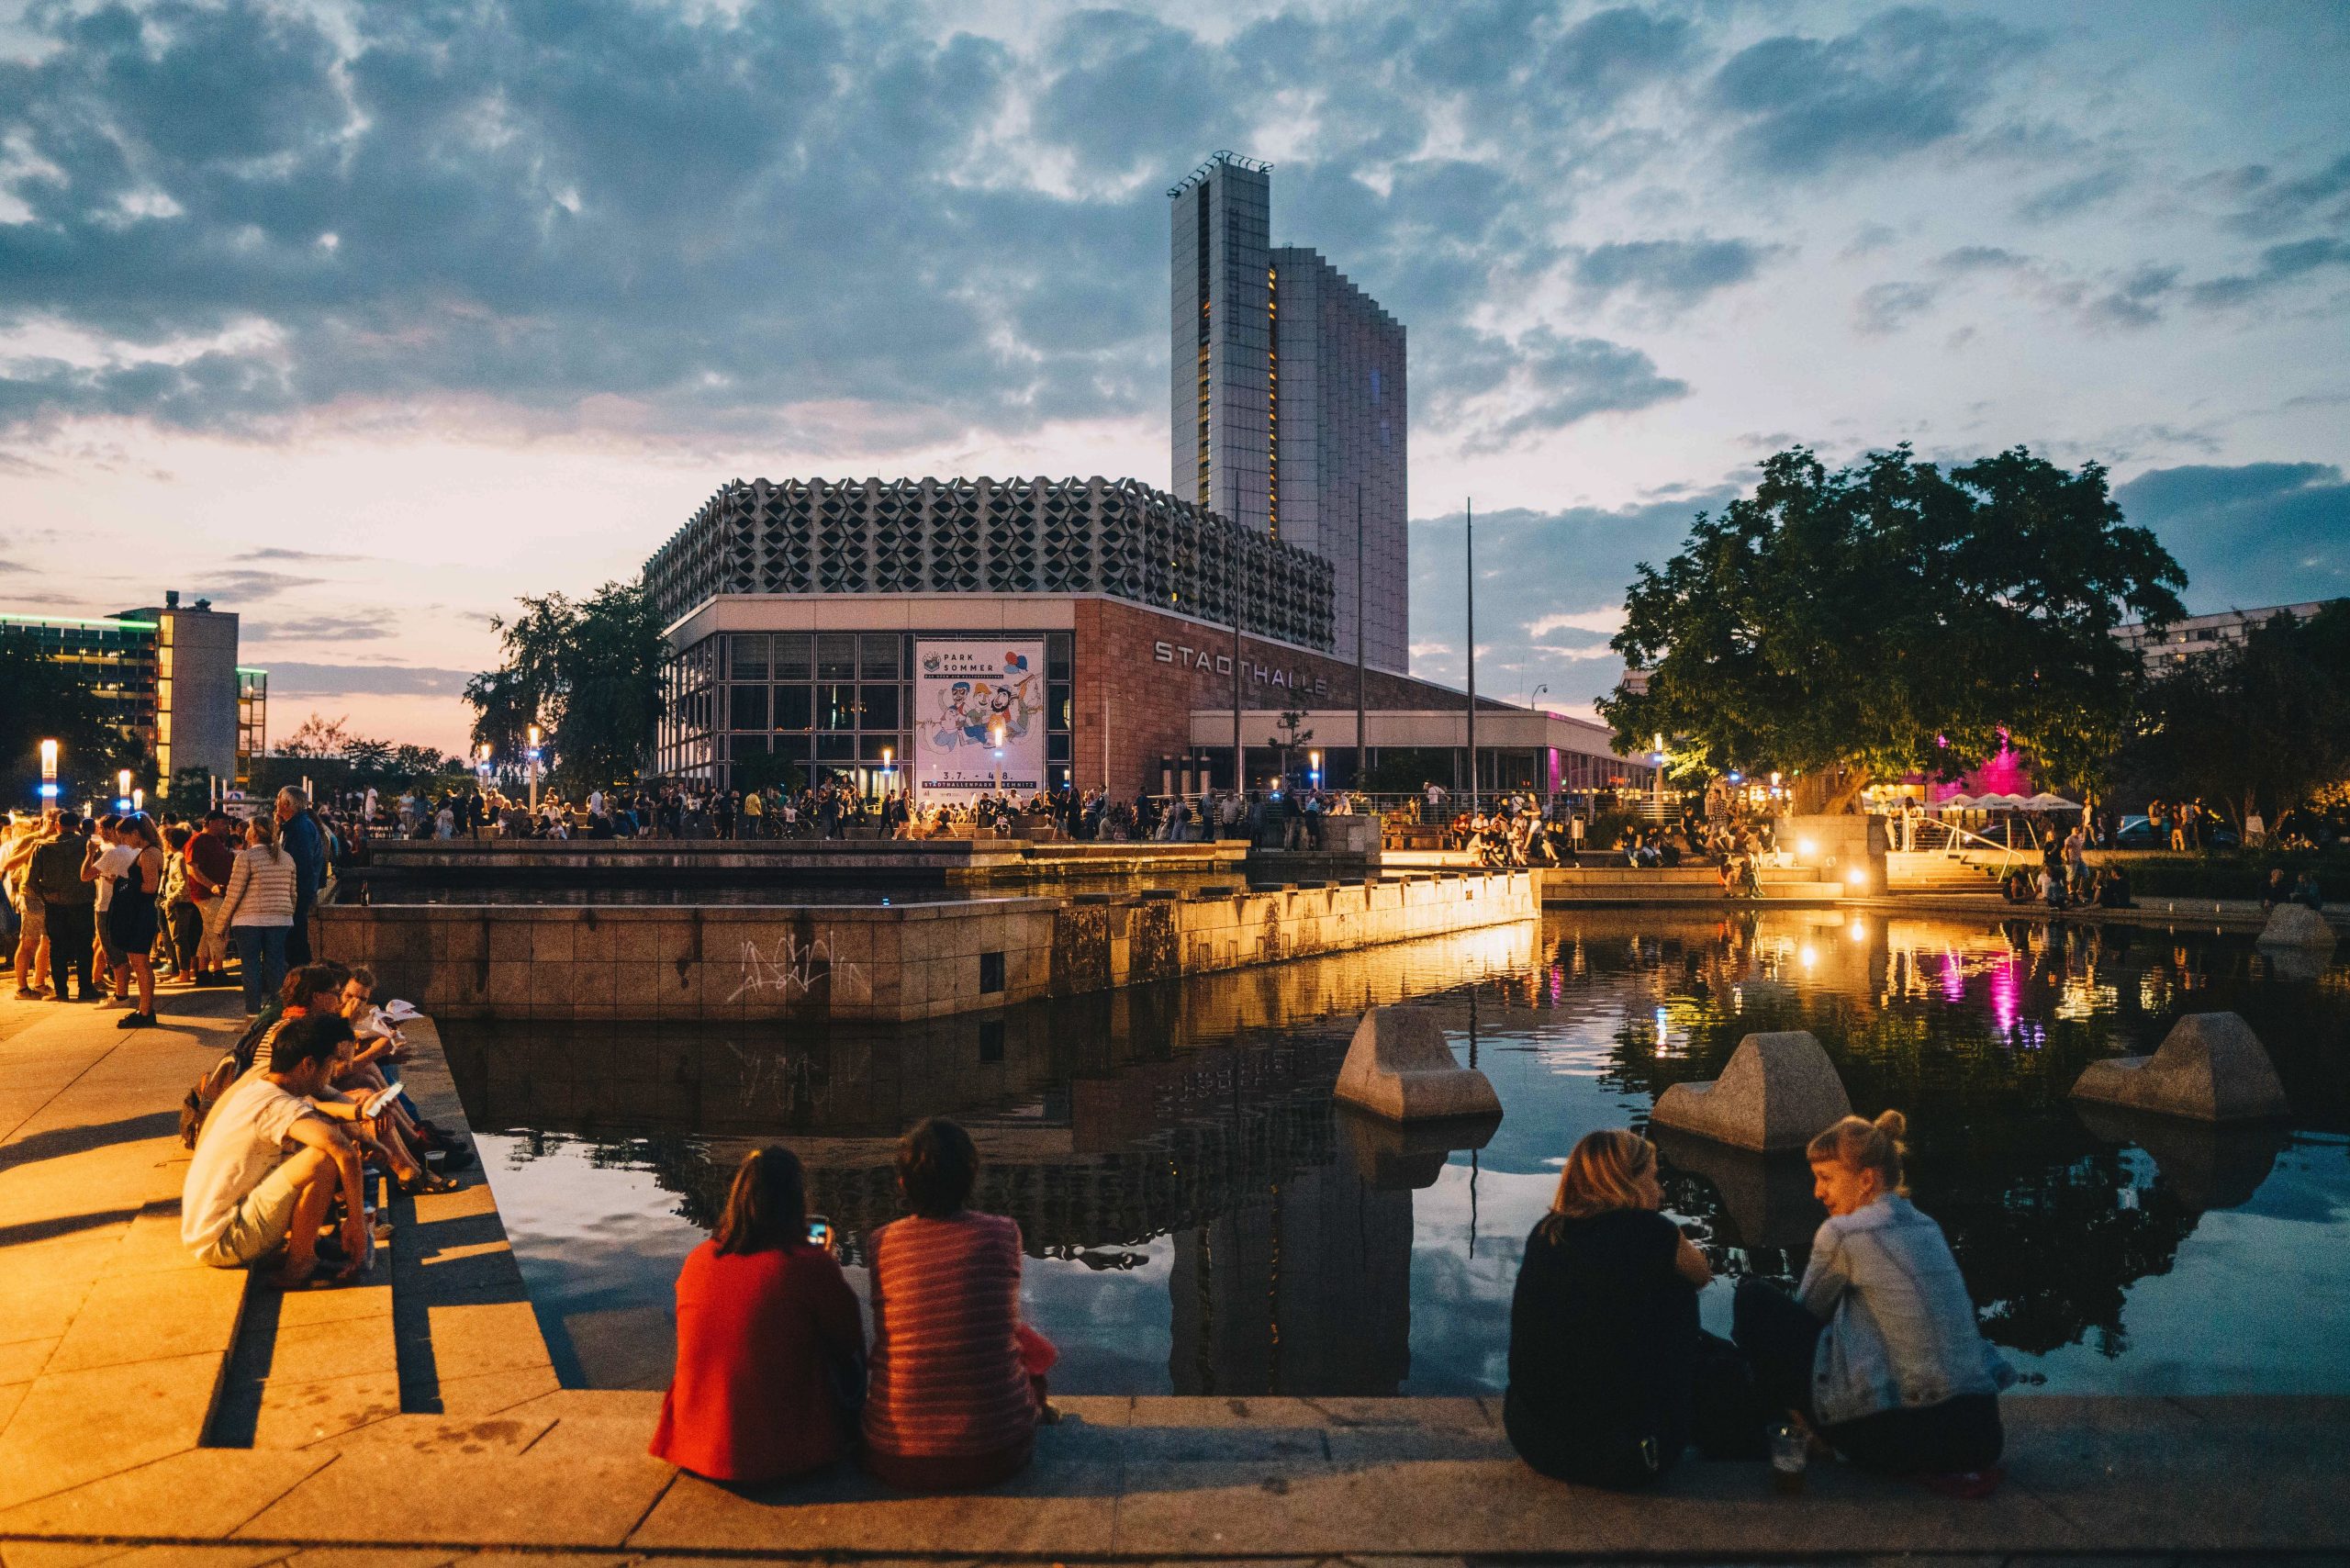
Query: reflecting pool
1200	1218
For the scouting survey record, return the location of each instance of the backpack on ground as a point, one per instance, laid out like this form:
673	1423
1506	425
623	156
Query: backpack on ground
205	1095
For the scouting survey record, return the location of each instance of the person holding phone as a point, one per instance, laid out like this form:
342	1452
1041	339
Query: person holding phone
770	1347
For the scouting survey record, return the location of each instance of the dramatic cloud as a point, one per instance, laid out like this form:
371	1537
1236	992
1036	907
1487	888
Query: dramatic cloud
2255	534
326	629
1676	272
1885	306
1503	392
2278	264
243	587
1902	80
290	679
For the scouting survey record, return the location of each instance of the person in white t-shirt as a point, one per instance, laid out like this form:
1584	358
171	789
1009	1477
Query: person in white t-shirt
267	1165
107	858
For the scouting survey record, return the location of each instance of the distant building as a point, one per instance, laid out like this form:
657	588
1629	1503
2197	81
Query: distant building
2195	635
169	678
879	630
1288	399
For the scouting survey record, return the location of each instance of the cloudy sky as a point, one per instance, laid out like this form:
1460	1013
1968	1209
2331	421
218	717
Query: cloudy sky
365	318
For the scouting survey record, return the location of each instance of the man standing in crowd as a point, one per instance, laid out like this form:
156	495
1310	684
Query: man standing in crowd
298	832
69	906
211	855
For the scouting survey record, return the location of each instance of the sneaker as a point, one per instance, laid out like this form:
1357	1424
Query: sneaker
136	1021
107	999
27	993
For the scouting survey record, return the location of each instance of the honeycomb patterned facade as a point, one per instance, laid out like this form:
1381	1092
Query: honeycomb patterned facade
992	537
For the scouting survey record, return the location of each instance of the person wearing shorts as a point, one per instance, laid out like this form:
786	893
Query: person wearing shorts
267	1165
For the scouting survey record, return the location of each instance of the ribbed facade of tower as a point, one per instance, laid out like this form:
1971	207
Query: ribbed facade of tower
1287	399
1338	446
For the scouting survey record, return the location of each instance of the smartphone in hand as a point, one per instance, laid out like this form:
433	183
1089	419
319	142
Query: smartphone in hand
820	1231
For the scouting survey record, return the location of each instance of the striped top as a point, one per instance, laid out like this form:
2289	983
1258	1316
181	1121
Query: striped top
946	1373
260	888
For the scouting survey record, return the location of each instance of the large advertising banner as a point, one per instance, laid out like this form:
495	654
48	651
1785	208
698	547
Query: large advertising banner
973	701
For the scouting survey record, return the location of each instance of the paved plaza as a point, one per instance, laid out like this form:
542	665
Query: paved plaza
156	1412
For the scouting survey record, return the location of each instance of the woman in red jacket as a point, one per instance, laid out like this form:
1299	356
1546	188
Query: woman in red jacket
765	1321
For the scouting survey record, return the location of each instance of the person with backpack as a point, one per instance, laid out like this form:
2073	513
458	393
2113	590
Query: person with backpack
268	1167
301	837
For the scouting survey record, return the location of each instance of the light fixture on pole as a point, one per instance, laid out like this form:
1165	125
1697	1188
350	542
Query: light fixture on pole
139	800
534	767
996	734
48	770
122	789
1313	767
889	772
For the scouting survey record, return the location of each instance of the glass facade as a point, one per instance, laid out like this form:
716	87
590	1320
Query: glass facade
826	702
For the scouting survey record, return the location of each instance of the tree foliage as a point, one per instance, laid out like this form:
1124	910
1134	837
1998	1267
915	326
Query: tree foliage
1889	618
2260	725
42	698
333	755
586	672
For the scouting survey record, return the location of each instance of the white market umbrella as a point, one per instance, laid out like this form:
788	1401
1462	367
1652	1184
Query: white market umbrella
2044	802
2001	804
1957	804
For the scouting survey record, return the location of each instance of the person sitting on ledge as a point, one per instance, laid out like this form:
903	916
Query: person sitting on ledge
959	1380
1879	1352
1609	1375
769	1346
268	1165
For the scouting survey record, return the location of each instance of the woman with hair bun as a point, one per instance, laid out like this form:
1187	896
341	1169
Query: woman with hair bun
1609	1374
1879	1352
767	1336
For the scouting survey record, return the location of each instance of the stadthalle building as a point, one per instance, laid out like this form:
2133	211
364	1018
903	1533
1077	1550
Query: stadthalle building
958	636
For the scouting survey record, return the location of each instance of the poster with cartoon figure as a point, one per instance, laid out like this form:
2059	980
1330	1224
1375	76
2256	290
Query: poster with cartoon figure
972	702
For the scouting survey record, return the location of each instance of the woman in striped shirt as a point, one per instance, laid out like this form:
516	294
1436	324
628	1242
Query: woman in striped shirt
957	1383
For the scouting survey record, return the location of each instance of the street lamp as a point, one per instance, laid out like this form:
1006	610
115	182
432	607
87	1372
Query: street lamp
139	800
48	770
534	767
122	789
1537	692
1314	765
996	734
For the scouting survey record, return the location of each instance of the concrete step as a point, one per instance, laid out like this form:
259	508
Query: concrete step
1685	893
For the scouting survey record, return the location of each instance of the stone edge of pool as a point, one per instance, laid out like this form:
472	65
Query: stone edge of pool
440	1402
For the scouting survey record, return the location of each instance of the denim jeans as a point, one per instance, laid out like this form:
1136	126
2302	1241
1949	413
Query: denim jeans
261	962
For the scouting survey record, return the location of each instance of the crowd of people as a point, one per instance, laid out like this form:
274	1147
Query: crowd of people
838	809
1875	1357
109	908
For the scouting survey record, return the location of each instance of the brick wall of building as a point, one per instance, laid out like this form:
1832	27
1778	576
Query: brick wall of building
1152	670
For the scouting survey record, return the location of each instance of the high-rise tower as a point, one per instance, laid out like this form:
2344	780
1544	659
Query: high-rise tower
1288	398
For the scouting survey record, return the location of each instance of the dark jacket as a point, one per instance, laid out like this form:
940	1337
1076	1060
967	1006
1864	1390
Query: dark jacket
304	840
55	872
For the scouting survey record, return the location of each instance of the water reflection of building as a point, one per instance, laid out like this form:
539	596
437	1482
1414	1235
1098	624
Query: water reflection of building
1303	1289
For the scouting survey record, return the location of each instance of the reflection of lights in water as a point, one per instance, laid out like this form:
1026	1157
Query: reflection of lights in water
1663	1034
2082	1000
1738	999
2007	993
2152	995
1954	978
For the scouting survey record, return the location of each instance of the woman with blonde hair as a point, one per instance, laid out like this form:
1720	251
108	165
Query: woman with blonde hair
1879	1352
1607	1366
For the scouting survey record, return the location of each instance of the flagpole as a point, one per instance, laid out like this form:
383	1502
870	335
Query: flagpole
1470	546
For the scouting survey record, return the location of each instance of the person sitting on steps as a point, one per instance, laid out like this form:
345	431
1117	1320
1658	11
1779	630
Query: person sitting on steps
1610	1377
1879	1352
268	1166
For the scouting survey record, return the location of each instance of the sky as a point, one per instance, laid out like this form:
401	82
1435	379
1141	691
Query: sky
363	319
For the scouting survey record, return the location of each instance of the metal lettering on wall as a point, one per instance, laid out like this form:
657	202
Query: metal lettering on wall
1305	683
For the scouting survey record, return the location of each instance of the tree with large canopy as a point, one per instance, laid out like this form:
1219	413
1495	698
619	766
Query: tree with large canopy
588	672
1889	619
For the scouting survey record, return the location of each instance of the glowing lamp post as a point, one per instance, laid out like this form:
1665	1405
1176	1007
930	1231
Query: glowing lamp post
534	767
1313	767
996	734
48	770
888	771
122	789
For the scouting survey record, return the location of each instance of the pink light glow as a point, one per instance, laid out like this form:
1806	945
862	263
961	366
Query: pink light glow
2007	993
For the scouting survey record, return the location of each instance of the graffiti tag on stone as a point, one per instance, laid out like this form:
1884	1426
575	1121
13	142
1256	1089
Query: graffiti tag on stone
791	970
